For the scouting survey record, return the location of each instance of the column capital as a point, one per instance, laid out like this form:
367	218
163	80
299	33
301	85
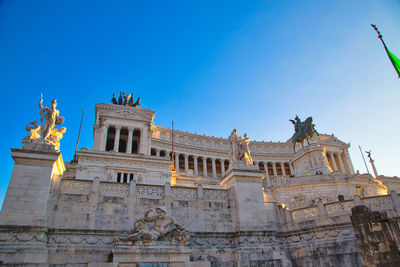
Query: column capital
118	127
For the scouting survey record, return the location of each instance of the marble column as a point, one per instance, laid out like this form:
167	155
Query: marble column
196	168
333	161
222	167
129	143
274	168
291	169
283	168
348	161
266	166
186	162
158	152
176	162
341	163
214	168
104	137
116	138
204	166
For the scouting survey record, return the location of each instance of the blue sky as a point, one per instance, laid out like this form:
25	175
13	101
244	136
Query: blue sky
210	66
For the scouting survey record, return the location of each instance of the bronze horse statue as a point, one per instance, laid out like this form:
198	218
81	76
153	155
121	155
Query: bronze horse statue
304	131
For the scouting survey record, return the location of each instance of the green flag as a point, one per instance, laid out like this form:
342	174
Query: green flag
395	61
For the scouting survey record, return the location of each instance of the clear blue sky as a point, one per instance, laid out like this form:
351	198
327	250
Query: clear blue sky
208	65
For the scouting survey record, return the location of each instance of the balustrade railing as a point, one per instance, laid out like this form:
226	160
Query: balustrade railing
77	187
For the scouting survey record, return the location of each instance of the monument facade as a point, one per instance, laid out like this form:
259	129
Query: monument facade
145	194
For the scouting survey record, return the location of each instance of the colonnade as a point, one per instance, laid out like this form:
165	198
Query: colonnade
339	162
122	139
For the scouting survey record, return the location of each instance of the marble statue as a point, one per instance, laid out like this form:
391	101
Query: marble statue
34	131
56	135
51	116
303	131
155	225
239	148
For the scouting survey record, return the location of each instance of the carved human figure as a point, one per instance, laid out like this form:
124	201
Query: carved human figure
34	132
51	117
130	103
144	231
233	145
56	135
114	100
120	99
245	148
239	148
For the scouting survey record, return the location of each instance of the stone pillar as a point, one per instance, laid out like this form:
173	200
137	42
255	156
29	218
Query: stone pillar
333	161
204	166
104	133
341	163
283	169
129	143
274	168
291	169
186	162
144	146
196	168
157	152
176	162
116	139
36	167
246	185
222	167
348	161
214	169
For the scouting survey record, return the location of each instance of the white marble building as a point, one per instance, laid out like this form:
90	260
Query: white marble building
279	213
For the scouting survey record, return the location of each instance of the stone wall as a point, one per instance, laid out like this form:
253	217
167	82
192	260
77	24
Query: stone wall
378	237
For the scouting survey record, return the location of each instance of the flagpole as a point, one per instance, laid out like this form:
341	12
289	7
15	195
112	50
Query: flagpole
379	35
394	62
75	159
363	158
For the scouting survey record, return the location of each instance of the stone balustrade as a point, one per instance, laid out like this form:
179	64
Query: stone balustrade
84	187
376	203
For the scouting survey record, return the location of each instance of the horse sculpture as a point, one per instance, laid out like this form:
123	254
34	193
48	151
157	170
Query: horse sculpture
303	131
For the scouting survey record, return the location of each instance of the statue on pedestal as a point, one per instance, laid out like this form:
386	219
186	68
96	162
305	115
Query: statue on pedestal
156	225
239	148
303	131
49	135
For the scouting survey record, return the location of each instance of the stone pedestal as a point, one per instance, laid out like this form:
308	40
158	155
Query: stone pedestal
310	160
128	255
246	184
36	165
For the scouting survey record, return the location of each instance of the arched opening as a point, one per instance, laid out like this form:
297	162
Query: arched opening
218	167
209	167
200	166
226	165
270	169
181	162
163	153
287	169
135	141
110	138
278	169
261	166
153	152
191	163
123	140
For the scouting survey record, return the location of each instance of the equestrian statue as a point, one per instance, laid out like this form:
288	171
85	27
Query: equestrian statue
303	131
